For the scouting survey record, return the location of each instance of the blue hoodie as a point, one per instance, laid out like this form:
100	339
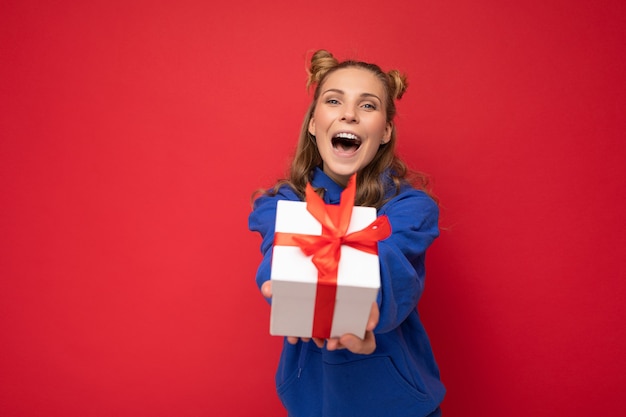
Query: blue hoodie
401	377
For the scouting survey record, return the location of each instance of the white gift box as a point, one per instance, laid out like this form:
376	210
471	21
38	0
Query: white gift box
294	277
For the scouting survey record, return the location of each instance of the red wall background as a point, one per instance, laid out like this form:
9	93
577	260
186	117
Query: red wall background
133	133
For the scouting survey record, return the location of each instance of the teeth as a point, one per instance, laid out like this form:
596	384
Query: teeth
345	135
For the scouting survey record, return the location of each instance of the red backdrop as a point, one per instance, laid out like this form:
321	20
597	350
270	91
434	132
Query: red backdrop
133	133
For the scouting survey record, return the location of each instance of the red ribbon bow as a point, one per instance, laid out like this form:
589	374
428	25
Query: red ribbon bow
326	248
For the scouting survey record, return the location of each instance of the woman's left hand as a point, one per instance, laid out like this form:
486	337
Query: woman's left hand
355	344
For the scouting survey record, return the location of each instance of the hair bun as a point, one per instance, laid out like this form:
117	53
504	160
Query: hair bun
321	62
398	83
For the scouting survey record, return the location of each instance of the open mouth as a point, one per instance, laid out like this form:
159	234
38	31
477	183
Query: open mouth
346	142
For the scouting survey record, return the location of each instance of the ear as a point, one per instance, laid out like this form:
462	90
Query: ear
387	136
312	126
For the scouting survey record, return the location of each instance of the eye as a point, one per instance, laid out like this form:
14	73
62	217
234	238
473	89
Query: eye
369	106
332	101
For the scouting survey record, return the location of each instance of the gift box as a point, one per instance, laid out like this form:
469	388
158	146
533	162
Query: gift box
325	271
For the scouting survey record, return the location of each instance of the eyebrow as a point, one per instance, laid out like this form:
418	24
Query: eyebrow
336	90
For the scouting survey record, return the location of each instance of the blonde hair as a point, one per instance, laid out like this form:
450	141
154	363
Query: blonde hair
370	184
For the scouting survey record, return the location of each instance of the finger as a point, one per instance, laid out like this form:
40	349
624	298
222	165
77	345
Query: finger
351	342
266	289
318	342
369	343
333	344
363	346
292	340
372	322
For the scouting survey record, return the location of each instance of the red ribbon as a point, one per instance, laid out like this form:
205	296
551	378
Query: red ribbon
326	248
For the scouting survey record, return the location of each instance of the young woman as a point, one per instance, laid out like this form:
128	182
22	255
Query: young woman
349	129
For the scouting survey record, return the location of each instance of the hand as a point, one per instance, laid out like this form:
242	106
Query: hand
353	343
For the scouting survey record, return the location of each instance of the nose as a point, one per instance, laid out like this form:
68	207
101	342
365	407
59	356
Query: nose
349	114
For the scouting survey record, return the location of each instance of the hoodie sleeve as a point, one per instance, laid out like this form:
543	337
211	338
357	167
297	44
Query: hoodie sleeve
262	220
414	217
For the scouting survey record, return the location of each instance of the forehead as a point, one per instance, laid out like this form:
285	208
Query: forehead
354	80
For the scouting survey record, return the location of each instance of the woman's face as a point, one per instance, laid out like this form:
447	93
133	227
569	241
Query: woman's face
349	122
